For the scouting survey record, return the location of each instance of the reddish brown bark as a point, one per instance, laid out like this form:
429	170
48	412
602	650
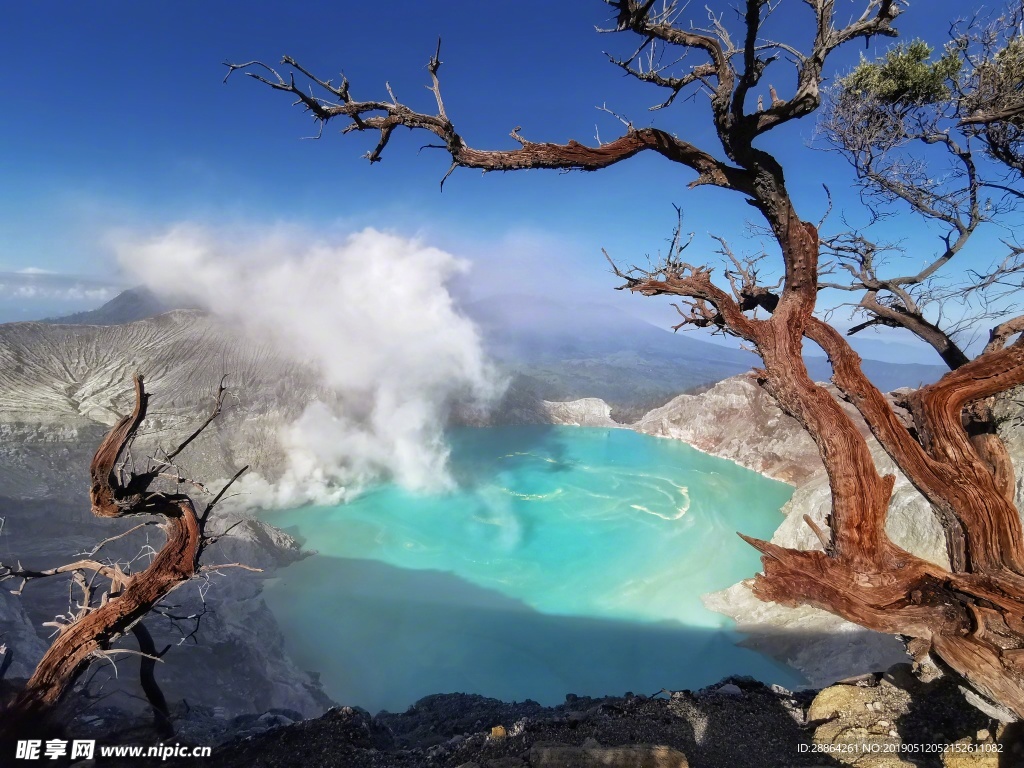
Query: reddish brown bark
972	617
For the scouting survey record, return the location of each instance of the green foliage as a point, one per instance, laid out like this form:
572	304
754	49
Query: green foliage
905	75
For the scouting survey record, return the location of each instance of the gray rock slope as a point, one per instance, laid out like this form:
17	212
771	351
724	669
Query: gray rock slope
739	421
73	375
61	386
60	389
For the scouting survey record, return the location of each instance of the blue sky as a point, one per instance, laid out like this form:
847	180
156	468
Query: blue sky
116	120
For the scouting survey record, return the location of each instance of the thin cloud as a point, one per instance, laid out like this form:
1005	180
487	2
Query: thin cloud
36	285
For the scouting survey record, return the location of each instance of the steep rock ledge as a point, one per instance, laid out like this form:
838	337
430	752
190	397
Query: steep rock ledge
737	420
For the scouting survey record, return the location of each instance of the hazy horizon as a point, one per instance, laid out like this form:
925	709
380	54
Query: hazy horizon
32	296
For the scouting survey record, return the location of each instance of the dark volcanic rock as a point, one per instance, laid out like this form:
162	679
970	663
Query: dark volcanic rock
737	723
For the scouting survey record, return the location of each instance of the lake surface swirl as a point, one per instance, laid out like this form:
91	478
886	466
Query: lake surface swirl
565	560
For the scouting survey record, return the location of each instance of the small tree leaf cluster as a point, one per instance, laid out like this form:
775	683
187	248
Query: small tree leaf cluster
906	75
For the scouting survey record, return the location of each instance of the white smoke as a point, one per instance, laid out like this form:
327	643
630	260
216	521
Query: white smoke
373	312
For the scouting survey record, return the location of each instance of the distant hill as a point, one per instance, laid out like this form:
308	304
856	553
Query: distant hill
127	307
569	351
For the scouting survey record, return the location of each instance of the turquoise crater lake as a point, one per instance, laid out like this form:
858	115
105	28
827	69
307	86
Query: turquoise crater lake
566	560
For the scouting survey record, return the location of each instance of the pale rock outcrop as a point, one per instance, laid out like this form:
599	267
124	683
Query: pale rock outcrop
586	412
739	421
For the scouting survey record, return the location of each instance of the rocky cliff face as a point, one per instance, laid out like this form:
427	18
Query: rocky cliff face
737	420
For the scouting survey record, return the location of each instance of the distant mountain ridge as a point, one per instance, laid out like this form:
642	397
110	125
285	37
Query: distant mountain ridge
128	306
560	351
579	351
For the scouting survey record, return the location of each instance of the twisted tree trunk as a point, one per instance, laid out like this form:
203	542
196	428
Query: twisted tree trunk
130	596
971	617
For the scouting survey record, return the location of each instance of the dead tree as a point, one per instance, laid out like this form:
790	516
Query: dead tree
971	617
113	600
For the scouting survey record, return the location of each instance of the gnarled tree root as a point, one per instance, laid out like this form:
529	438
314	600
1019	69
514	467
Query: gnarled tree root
973	625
